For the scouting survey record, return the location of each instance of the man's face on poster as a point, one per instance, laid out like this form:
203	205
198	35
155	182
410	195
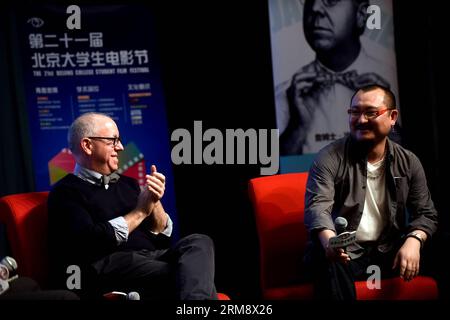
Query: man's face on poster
330	23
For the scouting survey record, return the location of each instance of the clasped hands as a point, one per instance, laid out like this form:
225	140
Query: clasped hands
153	191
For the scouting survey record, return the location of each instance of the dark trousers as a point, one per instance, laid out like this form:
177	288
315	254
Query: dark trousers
336	280
183	272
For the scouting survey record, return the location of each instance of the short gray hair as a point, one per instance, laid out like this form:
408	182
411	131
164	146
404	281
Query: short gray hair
82	127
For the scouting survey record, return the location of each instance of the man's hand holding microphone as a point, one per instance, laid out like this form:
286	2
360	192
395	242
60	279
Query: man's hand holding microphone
334	245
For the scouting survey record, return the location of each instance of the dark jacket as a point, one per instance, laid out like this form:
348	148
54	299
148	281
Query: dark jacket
337	187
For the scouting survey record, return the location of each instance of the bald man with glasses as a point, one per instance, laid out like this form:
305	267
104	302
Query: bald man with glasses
116	233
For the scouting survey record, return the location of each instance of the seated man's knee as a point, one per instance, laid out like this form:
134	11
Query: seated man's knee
199	241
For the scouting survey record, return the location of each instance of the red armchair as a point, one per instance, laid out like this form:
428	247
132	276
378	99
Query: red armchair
25	217
278	203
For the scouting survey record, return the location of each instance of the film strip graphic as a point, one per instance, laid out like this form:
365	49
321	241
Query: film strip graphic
132	163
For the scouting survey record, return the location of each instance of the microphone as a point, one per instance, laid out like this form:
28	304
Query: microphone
10	263
118	295
133	295
341	224
8	268
343	238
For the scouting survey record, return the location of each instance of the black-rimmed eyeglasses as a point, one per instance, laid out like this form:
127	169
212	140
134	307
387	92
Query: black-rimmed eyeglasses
115	140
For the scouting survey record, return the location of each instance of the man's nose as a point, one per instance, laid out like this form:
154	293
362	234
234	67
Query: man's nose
119	146
361	118
317	5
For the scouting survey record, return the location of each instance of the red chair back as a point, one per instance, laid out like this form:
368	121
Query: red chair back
25	217
278	203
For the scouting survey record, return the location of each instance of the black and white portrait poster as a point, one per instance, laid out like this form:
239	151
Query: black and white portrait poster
322	51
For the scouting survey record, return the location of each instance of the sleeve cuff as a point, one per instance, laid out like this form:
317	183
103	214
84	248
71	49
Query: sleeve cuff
120	229
168	229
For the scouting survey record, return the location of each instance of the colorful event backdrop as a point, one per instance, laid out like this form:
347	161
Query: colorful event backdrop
107	66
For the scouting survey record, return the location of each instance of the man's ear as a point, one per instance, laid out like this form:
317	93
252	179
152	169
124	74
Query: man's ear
362	15
394	116
86	146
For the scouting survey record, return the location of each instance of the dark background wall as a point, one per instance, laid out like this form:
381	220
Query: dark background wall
216	66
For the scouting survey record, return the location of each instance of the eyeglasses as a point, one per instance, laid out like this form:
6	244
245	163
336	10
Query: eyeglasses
115	140
326	3
368	115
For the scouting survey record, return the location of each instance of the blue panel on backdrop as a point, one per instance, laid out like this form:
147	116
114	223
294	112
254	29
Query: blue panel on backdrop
296	163
108	66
